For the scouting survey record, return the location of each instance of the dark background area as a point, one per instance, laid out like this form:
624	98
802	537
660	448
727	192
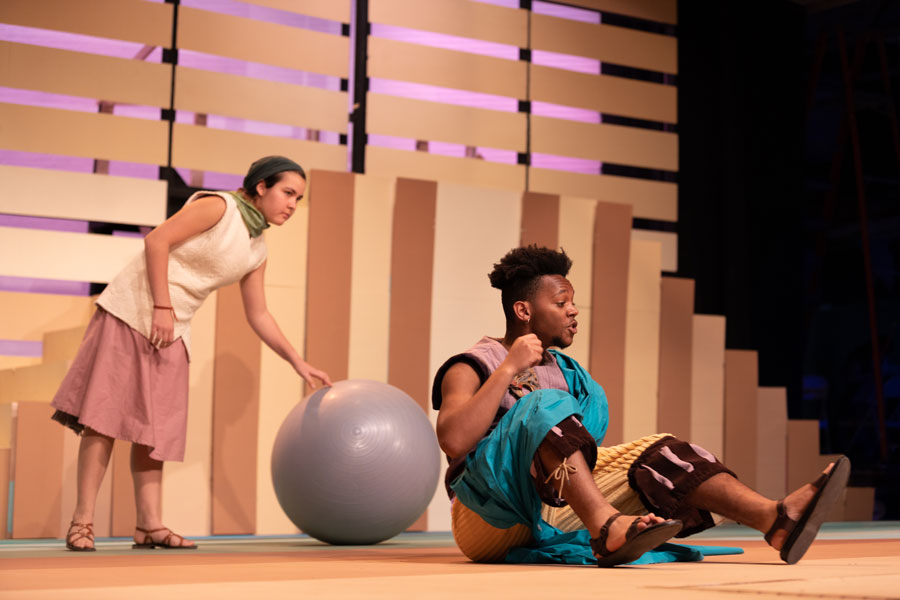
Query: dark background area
770	223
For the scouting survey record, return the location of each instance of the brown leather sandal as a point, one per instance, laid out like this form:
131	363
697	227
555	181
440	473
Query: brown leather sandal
801	533
637	541
167	542
79	531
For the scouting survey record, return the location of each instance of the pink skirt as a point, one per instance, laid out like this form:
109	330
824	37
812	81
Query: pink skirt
121	386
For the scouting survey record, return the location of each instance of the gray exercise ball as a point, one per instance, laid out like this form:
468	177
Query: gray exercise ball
355	463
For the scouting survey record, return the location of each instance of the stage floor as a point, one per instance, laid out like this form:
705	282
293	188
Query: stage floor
849	560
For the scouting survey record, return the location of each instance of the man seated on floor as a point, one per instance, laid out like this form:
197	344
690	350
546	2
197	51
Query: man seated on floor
521	424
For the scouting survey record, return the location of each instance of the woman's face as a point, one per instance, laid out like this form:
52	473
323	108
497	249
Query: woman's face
278	203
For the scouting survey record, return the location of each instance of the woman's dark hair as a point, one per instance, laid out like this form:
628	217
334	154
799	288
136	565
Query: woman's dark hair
269	170
517	274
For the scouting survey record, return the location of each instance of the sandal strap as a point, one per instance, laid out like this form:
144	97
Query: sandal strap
782	521
820	480
78	531
598	544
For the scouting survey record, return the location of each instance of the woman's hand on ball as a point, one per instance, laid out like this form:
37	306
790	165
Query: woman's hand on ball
308	372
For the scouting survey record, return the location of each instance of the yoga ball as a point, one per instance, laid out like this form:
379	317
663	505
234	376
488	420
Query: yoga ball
355	463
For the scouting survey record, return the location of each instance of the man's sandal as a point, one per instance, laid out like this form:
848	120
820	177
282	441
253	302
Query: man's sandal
79	531
167	542
801	533
637	541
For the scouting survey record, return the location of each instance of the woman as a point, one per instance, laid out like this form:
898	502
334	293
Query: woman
129	380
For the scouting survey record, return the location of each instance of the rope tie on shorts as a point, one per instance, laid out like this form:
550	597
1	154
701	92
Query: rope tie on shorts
561	473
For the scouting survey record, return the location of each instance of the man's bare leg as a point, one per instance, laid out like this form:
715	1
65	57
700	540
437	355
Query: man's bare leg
725	495
585	498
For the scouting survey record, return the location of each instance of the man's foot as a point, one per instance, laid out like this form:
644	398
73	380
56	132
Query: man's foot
161	537
634	536
799	515
80	537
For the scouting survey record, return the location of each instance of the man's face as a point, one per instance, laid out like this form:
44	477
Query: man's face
553	312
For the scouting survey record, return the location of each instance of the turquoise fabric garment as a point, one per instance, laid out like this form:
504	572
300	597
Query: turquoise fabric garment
497	482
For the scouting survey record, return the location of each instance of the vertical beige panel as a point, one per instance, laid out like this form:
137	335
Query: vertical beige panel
186	489
412	264
474	228
4	491
540	220
669	243
741	414
330	266
235	417
280	387
771	465
609	305
37	468
6	425
859	505
62	344
124	514
675	342
642	340
576	237
370	287
802	452
40	313
708	383
412	268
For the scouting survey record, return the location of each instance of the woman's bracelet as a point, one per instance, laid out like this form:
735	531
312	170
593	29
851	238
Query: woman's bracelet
169	308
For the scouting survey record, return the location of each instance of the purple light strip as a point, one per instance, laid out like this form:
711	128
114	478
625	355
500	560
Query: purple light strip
433	93
233	66
444	148
76	42
265	13
558	111
45	223
447	42
74	103
565	163
76	164
21	348
44	286
565	12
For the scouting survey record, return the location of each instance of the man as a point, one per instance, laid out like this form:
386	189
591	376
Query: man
521	424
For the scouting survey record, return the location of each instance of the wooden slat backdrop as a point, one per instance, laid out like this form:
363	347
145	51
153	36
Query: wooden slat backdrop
387	162
608	143
86	75
607	43
99	136
335	10
147	23
423	120
605	93
260	100
389	59
66	256
462	18
224	151
664	11
285	46
649	199
88	197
